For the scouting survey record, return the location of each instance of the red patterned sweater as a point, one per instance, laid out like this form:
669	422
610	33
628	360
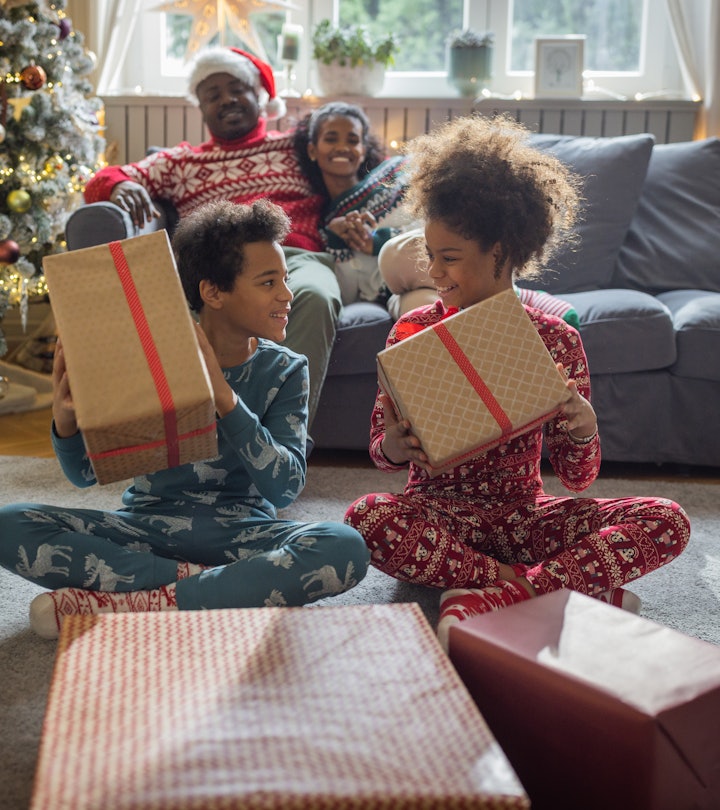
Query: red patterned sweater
262	164
511	472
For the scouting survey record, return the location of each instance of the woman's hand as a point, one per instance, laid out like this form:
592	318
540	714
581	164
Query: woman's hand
400	445
135	199
63	410
578	412
224	396
356	229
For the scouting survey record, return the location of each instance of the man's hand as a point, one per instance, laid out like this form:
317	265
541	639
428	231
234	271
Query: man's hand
134	198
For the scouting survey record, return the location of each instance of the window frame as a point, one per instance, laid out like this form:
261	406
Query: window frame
659	73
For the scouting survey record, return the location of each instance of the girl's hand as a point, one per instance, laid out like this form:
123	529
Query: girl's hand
356	229
63	410
400	445
578	412
224	396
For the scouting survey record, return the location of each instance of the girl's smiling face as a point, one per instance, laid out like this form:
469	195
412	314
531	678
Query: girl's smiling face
339	148
461	271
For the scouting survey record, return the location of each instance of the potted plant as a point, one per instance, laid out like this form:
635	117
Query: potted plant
350	61
470	60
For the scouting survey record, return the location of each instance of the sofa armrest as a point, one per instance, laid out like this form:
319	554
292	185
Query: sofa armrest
102	222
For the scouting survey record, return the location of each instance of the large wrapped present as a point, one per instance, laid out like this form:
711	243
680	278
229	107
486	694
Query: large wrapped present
596	708
139	383
472	381
284	708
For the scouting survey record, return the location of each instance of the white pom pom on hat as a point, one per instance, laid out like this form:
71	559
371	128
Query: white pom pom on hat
244	66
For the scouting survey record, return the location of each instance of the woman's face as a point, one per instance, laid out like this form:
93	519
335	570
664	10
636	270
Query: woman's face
338	147
463	274
229	107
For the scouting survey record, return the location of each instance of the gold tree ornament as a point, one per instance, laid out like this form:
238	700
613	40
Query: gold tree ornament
214	18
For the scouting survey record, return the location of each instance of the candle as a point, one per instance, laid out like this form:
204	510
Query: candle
290	36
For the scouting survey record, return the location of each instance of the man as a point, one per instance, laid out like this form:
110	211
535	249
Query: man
241	162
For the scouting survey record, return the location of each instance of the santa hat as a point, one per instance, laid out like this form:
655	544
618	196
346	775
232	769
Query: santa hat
244	66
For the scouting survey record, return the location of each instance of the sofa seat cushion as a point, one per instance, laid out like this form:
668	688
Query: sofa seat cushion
624	331
362	330
696	314
613	171
674	240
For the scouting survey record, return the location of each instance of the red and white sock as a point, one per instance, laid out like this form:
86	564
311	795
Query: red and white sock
622	598
459	604
48	610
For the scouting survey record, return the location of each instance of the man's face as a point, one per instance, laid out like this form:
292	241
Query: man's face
229	107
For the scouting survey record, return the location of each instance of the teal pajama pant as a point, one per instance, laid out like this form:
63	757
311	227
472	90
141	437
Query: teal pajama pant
257	560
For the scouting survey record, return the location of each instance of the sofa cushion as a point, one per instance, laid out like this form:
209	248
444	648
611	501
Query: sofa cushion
613	170
674	240
696	314
362	330
624	331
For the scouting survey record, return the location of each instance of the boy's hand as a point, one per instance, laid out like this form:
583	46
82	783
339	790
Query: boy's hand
225	398
63	410
400	445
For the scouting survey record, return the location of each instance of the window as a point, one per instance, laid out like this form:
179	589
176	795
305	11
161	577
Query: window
618	61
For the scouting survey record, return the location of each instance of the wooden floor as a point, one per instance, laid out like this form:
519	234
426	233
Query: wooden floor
26	434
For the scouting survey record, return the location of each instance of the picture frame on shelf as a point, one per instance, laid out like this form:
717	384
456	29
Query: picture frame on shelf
559	65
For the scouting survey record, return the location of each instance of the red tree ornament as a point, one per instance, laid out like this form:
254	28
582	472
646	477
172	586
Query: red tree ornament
9	251
33	77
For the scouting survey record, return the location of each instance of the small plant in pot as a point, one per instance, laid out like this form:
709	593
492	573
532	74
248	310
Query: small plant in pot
470	60
350	61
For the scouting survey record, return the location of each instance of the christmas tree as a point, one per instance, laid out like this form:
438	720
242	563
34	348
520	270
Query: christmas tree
50	141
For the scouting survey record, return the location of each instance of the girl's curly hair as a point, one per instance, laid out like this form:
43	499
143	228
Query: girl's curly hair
308	131
484	180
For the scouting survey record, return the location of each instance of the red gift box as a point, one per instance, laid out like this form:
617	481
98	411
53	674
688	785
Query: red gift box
336	707
596	707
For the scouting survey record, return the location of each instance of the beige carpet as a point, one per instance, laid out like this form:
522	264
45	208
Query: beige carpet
685	595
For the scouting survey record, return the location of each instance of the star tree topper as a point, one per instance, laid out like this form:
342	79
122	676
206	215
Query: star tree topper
212	18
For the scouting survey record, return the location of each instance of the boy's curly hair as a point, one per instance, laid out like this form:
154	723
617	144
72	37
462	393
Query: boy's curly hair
208	243
483	179
308	131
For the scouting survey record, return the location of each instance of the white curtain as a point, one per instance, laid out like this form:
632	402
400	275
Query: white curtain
696	31
108	27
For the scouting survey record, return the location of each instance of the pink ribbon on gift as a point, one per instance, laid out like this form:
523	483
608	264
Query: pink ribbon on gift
162	386
477	382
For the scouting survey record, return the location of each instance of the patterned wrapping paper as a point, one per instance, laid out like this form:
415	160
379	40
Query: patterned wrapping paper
595	707
472	381
283	708
141	391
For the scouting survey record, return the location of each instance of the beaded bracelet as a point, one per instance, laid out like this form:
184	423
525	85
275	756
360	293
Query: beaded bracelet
584	440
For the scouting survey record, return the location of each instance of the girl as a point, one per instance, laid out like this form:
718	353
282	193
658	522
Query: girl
201	535
363	193
485	532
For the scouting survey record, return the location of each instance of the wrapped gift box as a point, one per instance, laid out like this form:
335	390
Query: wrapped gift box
472	381
337	707
139	383
595	707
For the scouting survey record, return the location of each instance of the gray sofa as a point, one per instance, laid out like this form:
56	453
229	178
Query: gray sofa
644	279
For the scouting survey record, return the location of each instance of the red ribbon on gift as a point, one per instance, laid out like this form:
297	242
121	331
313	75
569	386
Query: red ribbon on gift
477	382
162	386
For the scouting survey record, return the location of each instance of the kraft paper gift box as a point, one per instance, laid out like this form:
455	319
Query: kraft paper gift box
596	708
337	707
472	381
139	383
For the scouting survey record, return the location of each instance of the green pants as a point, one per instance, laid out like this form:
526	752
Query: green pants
314	314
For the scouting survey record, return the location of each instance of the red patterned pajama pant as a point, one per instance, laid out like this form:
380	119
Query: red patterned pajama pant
590	545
